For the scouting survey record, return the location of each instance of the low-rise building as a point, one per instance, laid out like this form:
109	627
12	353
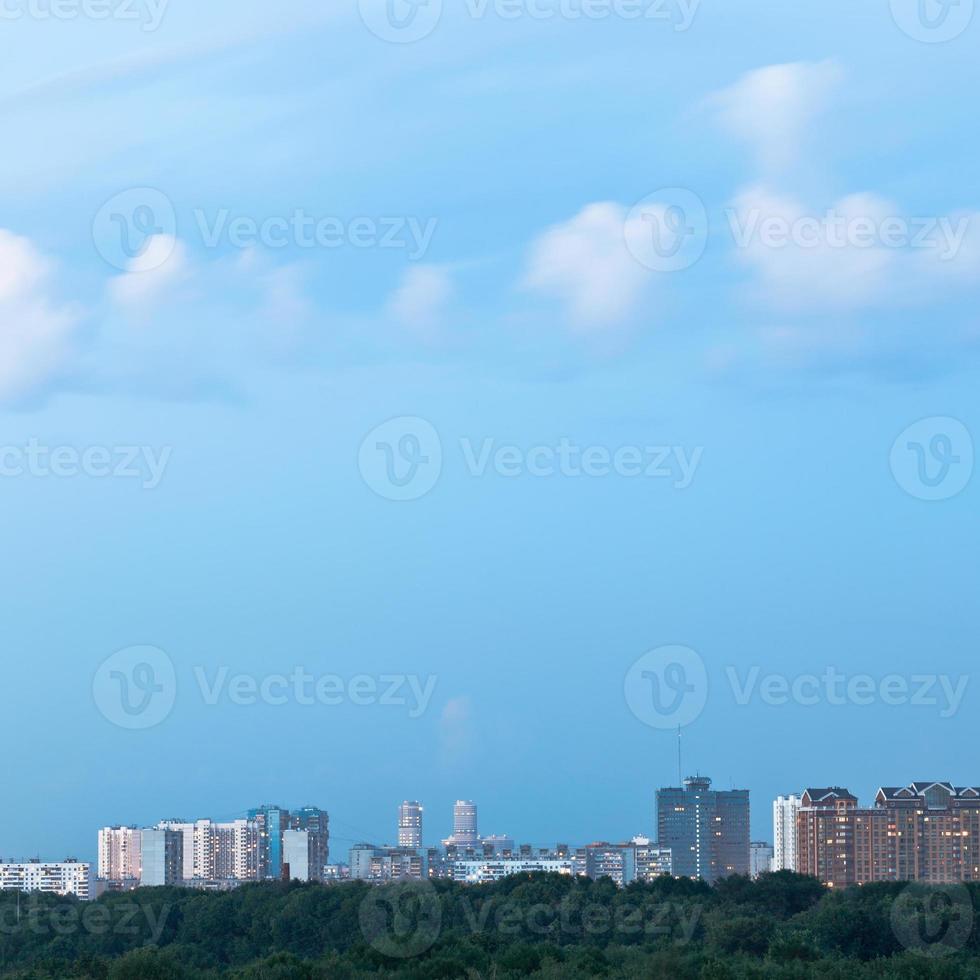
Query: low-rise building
67	877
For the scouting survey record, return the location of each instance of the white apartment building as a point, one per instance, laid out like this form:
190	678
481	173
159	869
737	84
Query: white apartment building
218	851
481	872
784	814
120	854
61	878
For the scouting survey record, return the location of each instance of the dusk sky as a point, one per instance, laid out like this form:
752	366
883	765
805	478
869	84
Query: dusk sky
376	410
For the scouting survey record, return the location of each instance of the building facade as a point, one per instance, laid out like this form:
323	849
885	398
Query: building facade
784	812
465	825
316	824
760	858
706	830
163	858
927	832
410	824
120	855
272	822
476	872
59	878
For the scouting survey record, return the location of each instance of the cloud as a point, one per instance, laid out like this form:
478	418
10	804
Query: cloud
420	302
152	277
584	264
859	253
35	331
771	109
812	268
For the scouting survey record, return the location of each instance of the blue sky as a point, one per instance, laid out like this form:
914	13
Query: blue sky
540	154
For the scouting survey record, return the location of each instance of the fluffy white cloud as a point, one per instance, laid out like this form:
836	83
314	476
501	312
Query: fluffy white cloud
151	277
862	251
805	259
586	265
421	300
772	108
35	331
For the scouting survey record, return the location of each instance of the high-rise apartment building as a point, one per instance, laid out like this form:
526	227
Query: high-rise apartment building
299	855
187	832
217	851
120	860
163	857
410	824
706	830
784	813
272	822
316	824
760	858
928	832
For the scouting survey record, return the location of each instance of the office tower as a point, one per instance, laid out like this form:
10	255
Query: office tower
706	830
316	823
410	824
465	834
56	878
927	832
784	811
119	855
760	858
272	821
163	857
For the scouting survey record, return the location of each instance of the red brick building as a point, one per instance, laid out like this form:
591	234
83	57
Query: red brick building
925	831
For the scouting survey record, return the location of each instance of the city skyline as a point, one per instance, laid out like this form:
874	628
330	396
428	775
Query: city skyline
375	415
